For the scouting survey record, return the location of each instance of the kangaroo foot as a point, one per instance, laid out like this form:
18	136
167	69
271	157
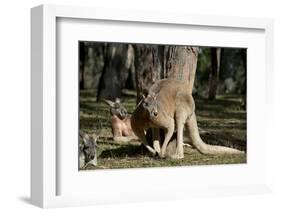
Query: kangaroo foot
187	145
177	156
152	153
162	154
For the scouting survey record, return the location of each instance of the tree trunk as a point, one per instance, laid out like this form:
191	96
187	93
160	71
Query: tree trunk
118	61
155	62
214	75
180	64
131	81
148	67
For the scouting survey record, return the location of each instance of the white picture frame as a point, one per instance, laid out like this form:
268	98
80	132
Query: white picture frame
44	153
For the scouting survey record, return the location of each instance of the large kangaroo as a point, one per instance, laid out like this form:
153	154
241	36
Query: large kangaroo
168	106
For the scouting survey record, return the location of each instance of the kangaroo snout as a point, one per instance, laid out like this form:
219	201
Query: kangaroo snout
155	113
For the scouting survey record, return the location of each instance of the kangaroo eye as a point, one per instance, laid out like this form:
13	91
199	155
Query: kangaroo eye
145	104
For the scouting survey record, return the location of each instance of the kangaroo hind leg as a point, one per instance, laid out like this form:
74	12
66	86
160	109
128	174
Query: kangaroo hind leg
180	121
169	131
184	109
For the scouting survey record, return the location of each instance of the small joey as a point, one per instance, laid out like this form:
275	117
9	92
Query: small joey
88	150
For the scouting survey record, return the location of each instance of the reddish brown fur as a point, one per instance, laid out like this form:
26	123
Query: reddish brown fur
121	127
120	122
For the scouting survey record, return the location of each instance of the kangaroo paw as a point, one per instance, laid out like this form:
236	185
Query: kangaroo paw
156	146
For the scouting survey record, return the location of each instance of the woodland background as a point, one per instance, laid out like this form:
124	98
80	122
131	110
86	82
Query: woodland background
110	75
126	71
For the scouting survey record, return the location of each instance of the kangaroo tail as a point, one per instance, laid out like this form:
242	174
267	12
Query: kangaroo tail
213	149
124	138
198	143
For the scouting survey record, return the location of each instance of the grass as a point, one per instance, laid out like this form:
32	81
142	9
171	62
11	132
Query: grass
223	121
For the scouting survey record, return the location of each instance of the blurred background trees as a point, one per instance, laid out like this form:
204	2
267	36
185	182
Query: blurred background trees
118	71
216	76
112	69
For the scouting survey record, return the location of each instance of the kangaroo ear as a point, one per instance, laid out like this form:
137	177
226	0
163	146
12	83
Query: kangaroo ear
152	95
95	136
85	137
94	139
117	100
82	134
108	102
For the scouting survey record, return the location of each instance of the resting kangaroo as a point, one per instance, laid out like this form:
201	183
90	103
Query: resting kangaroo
88	150
168	106
120	122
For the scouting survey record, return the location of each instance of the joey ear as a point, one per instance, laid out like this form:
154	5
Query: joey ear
95	136
81	134
108	102
86	138
94	139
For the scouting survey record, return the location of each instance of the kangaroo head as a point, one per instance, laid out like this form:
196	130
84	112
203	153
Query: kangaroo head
116	108
150	104
88	149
